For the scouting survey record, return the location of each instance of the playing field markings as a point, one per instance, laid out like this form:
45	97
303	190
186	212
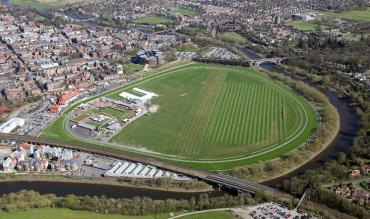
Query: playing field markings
283	113
271	112
213	128
239	116
209	103
215	90
199	116
255	118
266	111
269	120
222	110
211	131
250	111
246	117
240	133
228	114
243	132
276	115
281	127
261	116
230	122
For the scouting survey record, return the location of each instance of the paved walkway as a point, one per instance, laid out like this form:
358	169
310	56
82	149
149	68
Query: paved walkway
200	212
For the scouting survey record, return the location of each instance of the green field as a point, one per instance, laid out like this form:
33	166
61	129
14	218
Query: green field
189	47
304	26
62	213
131	68
153	20
185	11
213	215
191	31
361	15
232	37
115	113
213	117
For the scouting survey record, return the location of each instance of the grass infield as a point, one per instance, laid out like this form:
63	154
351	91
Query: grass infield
211	116
232	37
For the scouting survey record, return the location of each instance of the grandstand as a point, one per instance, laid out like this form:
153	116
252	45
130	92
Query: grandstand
145	95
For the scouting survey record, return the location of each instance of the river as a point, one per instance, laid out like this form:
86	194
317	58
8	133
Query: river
111	191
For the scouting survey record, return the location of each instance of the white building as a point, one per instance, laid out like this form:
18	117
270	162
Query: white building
11	124
305	16
146	95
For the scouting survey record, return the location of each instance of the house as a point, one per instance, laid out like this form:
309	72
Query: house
355	173
8	165
365	169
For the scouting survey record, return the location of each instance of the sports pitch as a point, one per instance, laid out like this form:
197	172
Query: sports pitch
213	117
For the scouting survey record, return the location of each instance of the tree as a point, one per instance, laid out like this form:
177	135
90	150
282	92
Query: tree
192	203
259	196
341	158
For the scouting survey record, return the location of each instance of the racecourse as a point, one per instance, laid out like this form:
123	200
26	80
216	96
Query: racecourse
211	116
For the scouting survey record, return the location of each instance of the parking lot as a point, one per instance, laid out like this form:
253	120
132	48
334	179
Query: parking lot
186	55
221	53
273	210
36	118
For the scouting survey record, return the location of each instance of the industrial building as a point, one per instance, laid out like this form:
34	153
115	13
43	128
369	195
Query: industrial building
11	125
131	169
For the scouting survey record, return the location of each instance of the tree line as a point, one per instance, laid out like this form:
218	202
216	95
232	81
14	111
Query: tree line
325	57
234	62
136	206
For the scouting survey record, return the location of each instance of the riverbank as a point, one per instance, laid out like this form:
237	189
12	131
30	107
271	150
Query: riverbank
315	154
168	186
